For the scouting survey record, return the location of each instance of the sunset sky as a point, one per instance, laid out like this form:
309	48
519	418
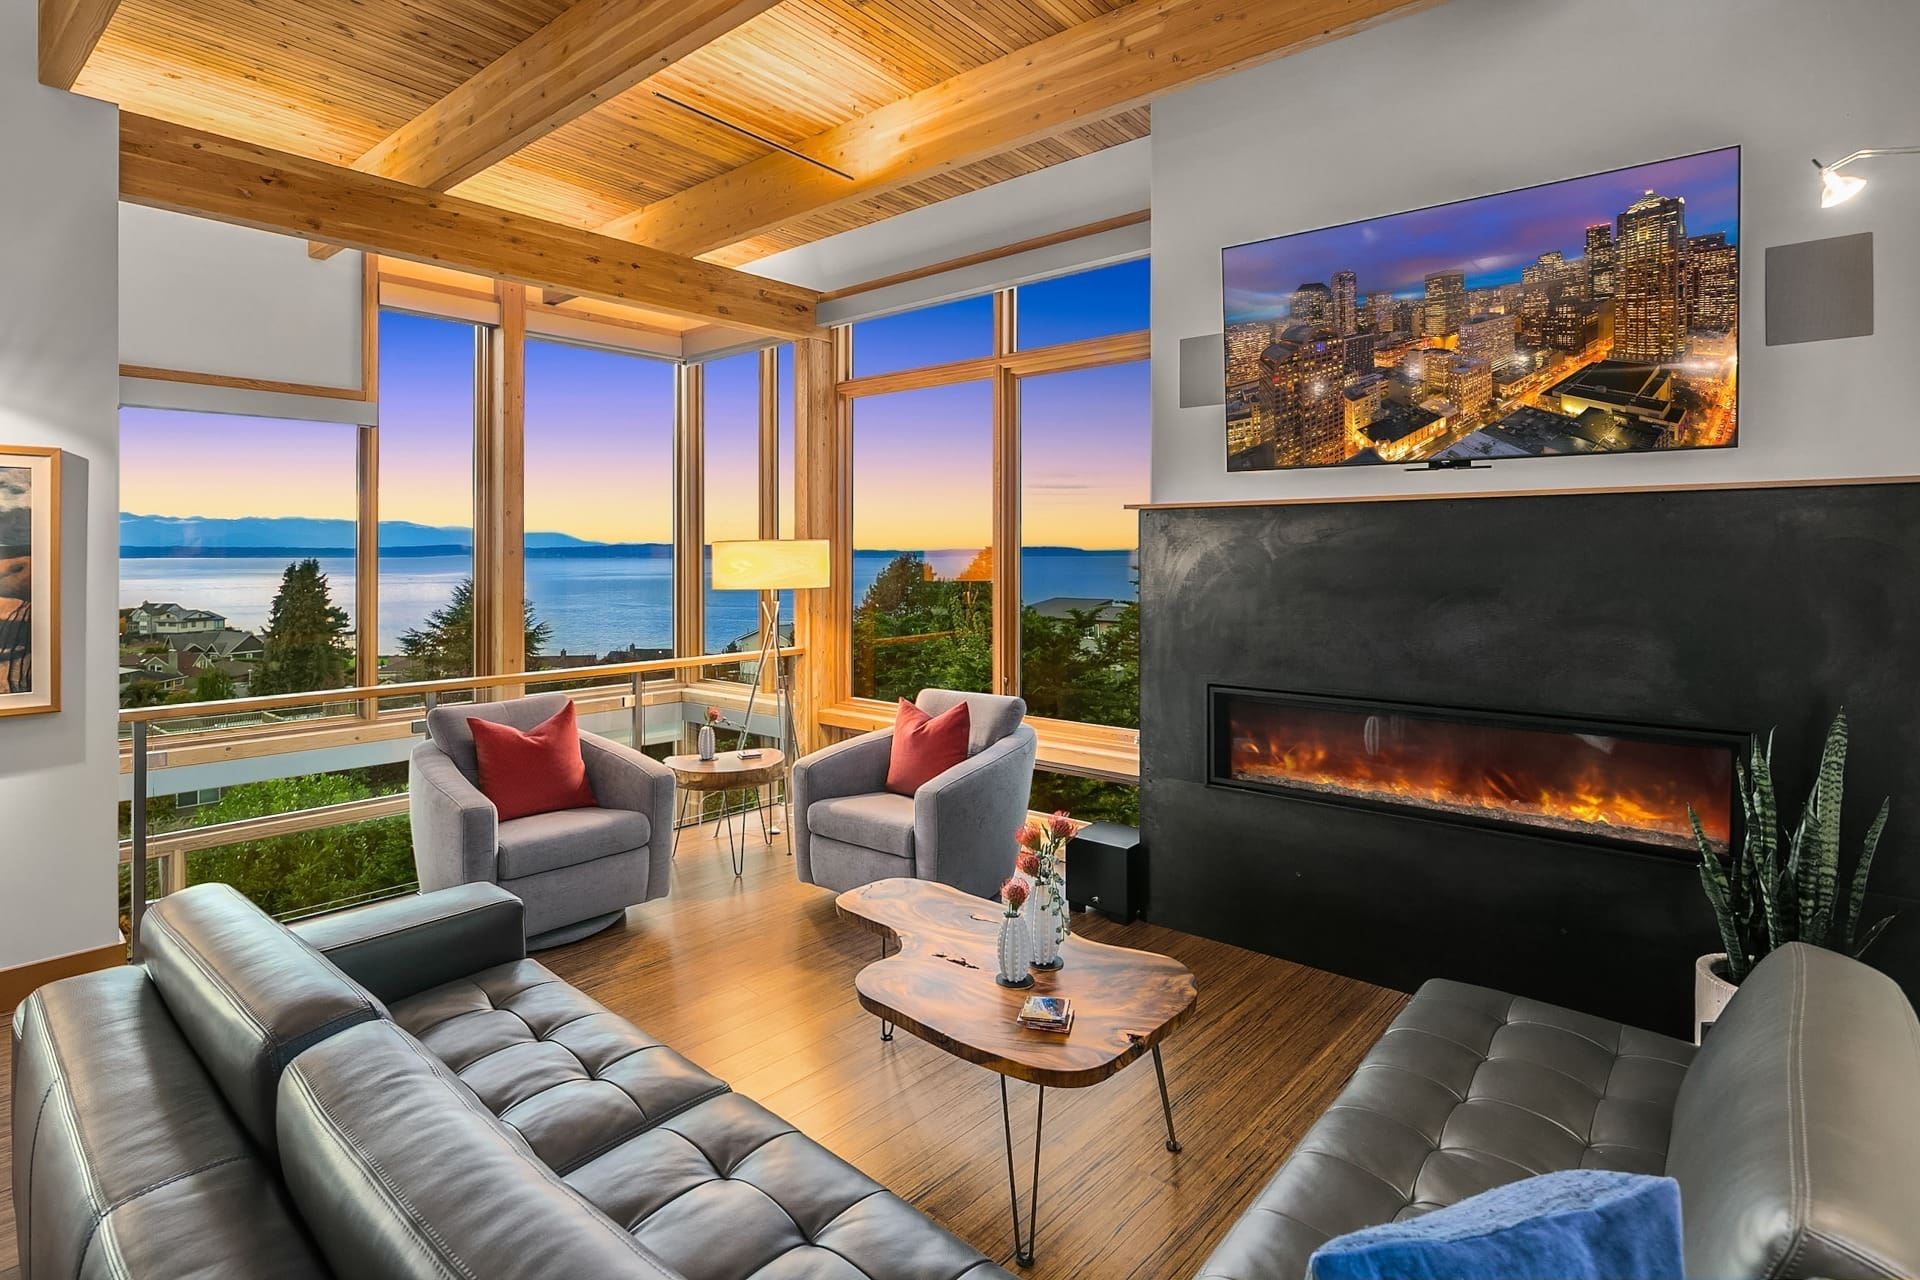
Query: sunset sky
599	436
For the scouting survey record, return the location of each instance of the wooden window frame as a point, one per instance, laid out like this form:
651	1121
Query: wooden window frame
1091	750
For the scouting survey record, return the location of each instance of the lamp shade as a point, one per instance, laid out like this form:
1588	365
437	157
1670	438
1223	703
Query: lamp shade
1838	188
771	564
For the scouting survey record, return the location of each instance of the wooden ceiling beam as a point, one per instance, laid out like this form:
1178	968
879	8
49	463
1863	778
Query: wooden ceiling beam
1098	68
594	51
69	29
169	166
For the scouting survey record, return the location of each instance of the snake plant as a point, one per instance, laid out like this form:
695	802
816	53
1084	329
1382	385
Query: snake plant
1780	886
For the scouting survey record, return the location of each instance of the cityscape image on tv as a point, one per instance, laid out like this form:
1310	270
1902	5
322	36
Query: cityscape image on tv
1596	315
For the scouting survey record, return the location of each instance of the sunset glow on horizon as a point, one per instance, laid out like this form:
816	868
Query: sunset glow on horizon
599	440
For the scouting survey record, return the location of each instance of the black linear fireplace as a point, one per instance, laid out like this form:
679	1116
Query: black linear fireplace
1627	786
1760	611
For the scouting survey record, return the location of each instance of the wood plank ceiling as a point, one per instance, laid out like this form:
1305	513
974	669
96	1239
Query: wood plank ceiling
331	79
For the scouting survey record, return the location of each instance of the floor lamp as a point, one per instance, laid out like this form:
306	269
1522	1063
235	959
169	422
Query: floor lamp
770	566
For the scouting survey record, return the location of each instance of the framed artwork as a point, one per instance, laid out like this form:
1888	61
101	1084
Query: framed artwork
29	580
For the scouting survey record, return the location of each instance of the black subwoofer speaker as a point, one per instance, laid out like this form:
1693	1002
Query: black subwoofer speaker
1104	871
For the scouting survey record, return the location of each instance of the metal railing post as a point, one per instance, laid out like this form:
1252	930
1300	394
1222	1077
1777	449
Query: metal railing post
640	711
137	886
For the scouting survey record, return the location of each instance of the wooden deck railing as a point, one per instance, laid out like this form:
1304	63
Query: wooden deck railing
231	740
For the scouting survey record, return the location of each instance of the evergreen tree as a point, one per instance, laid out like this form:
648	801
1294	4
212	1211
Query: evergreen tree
442	646
305	641
143	693
211	684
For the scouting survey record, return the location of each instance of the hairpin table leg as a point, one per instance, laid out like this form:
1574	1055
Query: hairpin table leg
1166	1107
1023	1246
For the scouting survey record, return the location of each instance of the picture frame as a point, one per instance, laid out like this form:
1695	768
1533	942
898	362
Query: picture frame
29	580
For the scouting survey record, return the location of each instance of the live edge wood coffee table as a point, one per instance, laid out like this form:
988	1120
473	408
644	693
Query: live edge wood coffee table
940	986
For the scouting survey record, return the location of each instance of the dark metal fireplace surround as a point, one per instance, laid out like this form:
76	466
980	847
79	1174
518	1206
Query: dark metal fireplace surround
1674	617
1629	787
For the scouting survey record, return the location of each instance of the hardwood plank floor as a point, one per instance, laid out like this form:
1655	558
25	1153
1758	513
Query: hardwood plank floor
753	980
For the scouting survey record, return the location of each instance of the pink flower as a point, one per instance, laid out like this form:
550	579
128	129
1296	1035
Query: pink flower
1027	863
713	715
1014	891
1060	826
1030	836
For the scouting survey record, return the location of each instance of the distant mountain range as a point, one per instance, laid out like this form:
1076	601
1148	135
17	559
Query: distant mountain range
277	535
145	537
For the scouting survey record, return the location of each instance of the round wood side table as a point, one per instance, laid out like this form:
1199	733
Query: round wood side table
726	773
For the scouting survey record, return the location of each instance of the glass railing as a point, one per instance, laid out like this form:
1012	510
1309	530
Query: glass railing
299	800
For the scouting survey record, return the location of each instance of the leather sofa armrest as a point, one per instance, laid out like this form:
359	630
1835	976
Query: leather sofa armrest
403	946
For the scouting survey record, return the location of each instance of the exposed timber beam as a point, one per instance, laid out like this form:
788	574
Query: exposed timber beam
69	29
1090	71
169	166
594	51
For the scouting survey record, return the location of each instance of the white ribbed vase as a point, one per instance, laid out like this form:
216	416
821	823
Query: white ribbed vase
1016	952
1048	906
706	742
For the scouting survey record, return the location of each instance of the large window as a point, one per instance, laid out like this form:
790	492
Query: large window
1092	304
1056	616
960	330
784	406
599	505
236	556
923	541
1084	454
426	597
731	420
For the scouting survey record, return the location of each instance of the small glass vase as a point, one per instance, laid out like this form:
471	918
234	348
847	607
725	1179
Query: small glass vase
706	742
1049	907
1016	952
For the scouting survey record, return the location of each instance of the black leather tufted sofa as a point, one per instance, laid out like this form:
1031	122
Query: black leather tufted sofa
399	1092
1794	1132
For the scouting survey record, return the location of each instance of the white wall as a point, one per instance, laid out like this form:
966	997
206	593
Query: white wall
205	297
1089	189
59	386
1481	96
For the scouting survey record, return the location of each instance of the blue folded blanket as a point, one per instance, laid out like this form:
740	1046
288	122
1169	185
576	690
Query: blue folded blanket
1580	1224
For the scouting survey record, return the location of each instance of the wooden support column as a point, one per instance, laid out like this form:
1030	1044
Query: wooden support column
499	556
689	513
823	471
366	561
1006	502
366	569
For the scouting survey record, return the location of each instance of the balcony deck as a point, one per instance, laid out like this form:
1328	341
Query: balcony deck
753	980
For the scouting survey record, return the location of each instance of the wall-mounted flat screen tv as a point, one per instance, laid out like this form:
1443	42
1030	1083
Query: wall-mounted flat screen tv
1595	315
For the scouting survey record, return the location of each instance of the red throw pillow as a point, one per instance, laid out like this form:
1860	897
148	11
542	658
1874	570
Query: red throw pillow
924	746
533	772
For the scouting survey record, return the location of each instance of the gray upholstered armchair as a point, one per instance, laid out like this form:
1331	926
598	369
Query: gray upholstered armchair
577	870
849	830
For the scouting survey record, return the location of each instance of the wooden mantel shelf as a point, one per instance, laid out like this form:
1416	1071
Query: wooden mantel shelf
1556	492
1089	750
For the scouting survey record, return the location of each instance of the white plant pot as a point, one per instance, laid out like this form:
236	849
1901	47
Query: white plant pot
1711	992
1046	938
706	742
1016	952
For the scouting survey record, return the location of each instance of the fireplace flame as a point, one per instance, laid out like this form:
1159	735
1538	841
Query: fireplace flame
1621	788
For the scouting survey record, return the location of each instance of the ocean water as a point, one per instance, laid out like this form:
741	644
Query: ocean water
595	604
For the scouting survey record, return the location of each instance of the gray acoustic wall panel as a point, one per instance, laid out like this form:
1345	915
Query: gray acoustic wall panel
1203	371
1820	289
